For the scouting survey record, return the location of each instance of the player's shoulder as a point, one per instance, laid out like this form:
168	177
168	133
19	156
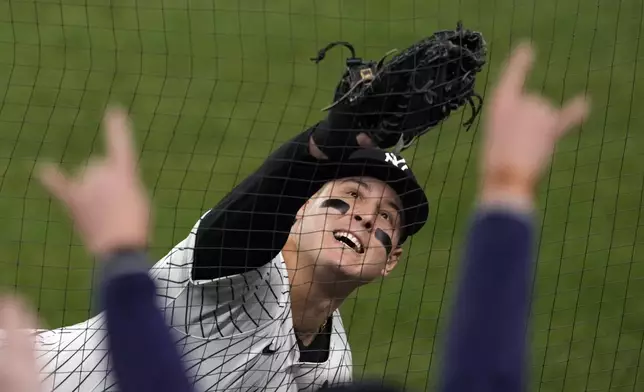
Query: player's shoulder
273	271
340	338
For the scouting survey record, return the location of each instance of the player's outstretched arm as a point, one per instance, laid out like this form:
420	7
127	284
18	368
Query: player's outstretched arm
486	343
376	104
251	224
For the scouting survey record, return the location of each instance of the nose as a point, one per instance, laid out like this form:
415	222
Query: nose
365	220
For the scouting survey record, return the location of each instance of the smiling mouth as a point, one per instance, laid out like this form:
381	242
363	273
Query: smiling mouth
349	240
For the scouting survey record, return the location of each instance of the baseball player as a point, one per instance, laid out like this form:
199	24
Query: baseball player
252	293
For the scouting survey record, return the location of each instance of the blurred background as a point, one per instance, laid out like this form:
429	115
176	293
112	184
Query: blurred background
215	85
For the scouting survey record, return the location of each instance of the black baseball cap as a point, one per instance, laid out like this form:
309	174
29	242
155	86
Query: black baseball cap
393	170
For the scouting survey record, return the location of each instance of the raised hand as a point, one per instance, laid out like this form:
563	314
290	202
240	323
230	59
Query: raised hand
107	201
521	131
18	368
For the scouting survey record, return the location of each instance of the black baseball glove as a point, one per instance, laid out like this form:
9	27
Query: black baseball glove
397	101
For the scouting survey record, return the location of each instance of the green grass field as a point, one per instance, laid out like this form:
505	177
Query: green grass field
214	85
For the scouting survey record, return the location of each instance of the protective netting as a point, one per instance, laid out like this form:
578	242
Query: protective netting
214	86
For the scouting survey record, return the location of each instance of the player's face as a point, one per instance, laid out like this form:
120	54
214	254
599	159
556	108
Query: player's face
353	224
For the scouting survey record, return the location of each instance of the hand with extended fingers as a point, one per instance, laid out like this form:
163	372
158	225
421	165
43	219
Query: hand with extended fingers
107	202
521	131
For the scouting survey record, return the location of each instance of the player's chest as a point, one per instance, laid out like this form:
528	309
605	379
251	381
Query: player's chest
308	369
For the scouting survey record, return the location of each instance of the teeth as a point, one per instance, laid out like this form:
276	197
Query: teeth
356	242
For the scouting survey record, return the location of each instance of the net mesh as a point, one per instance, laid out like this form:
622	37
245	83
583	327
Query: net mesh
215	85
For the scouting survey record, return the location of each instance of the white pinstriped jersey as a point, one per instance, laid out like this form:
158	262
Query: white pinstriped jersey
235	334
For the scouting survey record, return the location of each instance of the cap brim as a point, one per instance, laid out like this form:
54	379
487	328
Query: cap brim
414	202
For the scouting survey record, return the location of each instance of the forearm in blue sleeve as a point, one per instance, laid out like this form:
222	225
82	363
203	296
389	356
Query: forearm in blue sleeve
486	343
144	355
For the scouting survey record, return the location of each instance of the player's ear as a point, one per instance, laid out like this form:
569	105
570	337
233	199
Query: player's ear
392	261
308	204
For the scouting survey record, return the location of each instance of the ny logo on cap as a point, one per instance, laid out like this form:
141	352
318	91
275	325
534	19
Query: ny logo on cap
391	157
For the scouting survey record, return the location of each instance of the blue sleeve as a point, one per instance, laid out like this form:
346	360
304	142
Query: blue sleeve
486	342
144	356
